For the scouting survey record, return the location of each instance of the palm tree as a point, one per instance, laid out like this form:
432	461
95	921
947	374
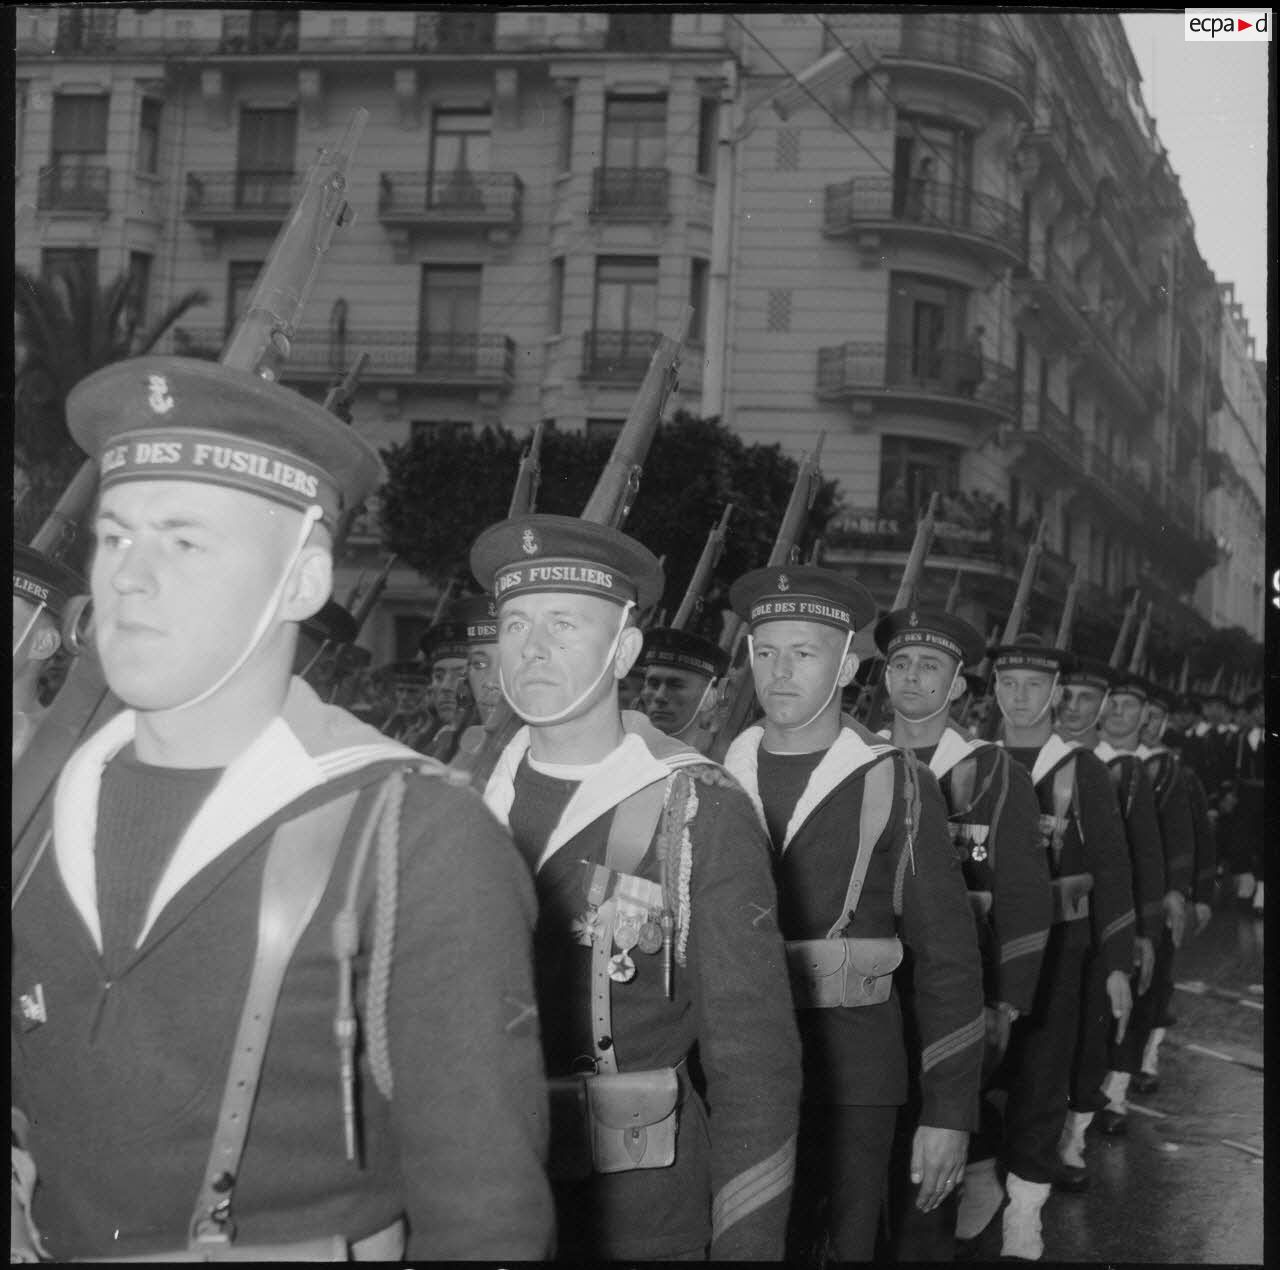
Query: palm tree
65	328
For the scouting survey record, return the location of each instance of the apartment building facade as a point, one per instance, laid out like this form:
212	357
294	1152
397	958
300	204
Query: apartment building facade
950	244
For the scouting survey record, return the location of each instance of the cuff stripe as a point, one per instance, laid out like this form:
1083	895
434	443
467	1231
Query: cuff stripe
753	1188
962	1038
1114	928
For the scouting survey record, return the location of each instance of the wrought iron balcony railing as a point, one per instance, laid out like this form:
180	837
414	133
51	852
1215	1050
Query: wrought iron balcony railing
446	32
1043	420
856	368
966	42
244	190
638	33
430	196
927	204
266	31
70	185
630	193
618	356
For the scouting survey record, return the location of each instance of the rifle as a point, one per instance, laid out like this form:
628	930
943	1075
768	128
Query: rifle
338	399
1215	684
374	594
1065	623
738	692
1140	641
259	344
1012	626
953	596
528	477
712	550
1184	676
610	501
816	552
1116	660
616	488
906	586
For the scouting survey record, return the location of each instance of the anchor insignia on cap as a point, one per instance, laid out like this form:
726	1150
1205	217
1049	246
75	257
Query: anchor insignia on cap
784	583
158	394
913	620
529	543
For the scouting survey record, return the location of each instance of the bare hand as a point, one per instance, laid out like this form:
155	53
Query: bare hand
998	1024
1144	962
937	1163
1203	914
1121	1001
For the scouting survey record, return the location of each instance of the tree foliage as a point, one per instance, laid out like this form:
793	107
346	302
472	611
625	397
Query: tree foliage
443	491
66	327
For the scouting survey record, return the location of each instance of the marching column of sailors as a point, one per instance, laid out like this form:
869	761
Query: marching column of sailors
849	974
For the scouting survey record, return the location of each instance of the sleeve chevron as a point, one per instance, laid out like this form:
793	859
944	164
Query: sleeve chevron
753	1188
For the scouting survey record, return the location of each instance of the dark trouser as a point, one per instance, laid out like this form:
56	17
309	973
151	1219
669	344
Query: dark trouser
842	1167
1094	1039
1037	1066
1148	1010
913	1235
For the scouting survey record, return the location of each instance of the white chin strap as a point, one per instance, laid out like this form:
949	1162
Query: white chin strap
1040	713
835	683
311	516
678	734
1093	723
946	702
540	720
35	617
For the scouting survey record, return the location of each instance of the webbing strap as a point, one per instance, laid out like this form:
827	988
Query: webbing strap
299	863
877	805
1064	785
634	821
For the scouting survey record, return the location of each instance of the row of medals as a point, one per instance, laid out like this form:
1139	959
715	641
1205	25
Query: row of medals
631	925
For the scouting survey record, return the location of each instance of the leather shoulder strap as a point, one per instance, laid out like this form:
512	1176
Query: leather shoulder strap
877	806
299	863
635	820
962	778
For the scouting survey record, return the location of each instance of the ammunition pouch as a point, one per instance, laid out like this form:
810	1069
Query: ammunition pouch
1071	897
613	1122
980	902
845	973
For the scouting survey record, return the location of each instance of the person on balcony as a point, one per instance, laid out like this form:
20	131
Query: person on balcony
969	374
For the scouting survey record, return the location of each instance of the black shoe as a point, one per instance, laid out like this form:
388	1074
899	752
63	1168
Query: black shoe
1071	1180
1113	1123
970	1249
1144	1083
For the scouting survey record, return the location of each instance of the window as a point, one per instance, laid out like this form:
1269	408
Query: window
77	175
635	132
242	275
622	337
699	272
932	171
56	262
265	159
910	471
459	154
557	296
449	317
926	333
432	430
638	33
564	136
139	287
149	137
708	135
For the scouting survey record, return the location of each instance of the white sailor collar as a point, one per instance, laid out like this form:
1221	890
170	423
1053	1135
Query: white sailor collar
848	754
1052	752
645	755
307	745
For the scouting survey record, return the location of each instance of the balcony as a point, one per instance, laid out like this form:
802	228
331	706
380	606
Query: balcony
239	199
632	194
1051	299
1119	249
638	33
967	52
1051	437
491	202
950	382
1126	380
69	185
455	32
617	357
85	32
1055	146
266	31
869	208
395	356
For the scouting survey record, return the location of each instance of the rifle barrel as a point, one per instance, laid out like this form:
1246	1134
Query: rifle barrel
712	550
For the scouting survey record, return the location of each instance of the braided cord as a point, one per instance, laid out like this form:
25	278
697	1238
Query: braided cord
384	934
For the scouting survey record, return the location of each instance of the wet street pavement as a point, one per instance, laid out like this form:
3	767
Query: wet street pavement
1185	1184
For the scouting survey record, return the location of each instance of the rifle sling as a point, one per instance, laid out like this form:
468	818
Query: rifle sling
634	821
877	805
299	864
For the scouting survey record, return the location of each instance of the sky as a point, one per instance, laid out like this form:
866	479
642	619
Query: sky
1209	101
